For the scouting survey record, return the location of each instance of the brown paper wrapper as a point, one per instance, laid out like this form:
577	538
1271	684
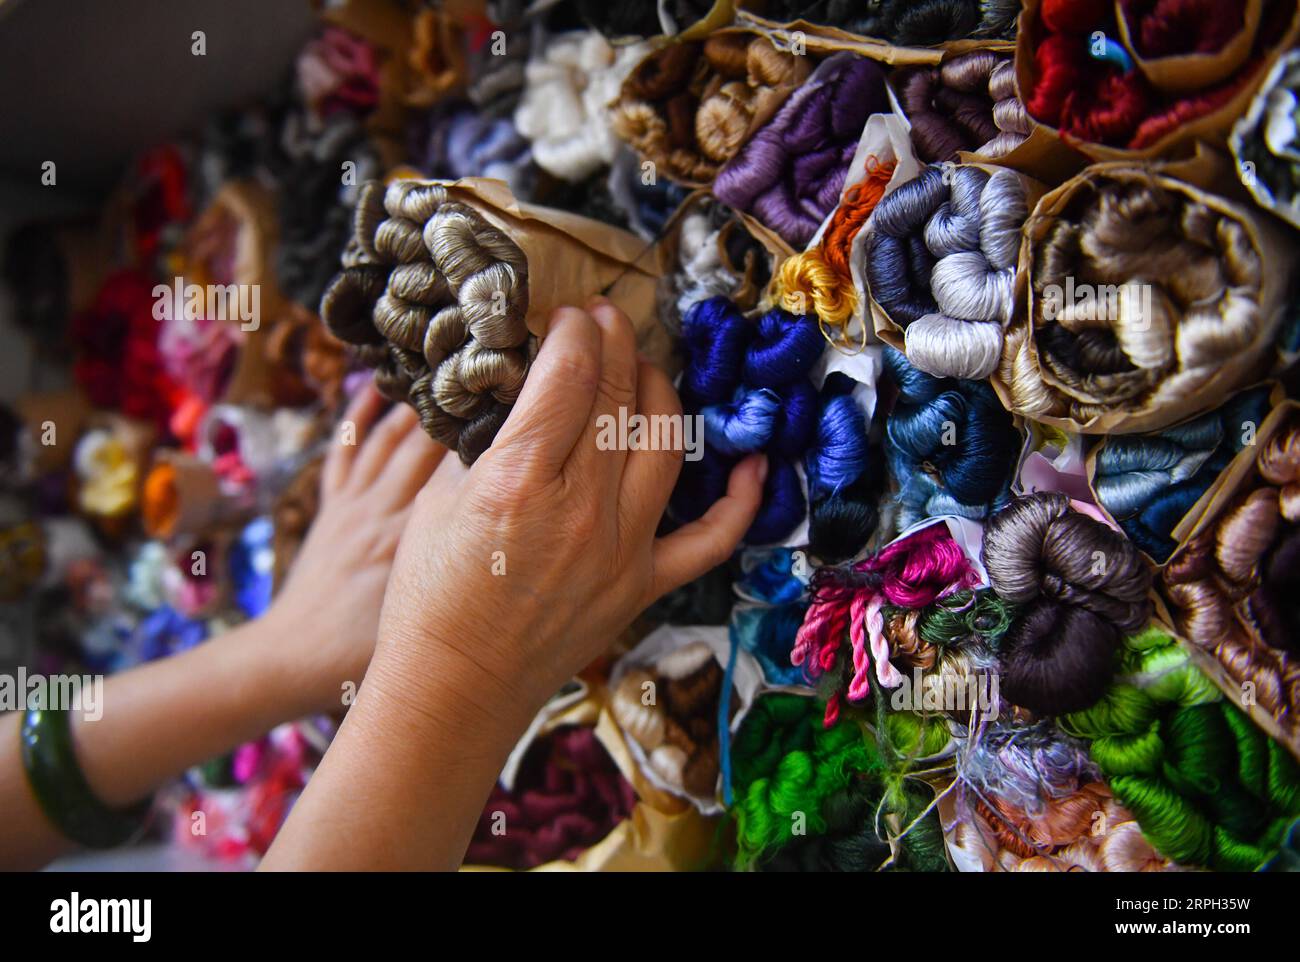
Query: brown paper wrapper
1197	177
1194	71
720	14
1181	530
822	37
572	258
249	209
1212	127
663	833
1241	476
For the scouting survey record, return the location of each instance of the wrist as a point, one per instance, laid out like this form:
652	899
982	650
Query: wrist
285	677
448	682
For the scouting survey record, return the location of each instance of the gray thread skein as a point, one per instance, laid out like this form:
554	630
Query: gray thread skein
969	222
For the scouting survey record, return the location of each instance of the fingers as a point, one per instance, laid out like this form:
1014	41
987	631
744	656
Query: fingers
409	468
692	550
378	449
555	405
616	394
349	434
652	470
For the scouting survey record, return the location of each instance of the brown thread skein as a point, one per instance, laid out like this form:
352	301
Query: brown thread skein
292	515
1083	360
1083	585
965	104
679	733
309	362
1232	587
435	299
688	106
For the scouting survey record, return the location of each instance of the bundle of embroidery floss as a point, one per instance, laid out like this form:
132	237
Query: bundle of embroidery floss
821	277
968	103
950	445
1162	71
1266	142
690	106
1206	786
716	257
1149	482
463	142
439	295
941	263
1150	301
749	382
564	110
1081	586
791	172
1231	585
1030	800
567	795
671	709
814	798
843	638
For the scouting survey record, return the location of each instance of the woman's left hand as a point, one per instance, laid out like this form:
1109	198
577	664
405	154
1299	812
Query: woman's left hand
328	610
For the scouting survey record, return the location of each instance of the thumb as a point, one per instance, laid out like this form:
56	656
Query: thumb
695	548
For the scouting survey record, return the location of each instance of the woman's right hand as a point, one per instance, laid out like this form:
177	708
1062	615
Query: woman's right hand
523	568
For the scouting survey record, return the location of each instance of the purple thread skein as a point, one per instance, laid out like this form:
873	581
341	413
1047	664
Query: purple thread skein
791	173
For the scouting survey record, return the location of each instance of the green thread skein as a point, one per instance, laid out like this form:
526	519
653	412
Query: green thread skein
1206	786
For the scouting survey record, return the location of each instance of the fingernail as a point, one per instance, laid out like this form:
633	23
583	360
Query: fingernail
762	468
597	300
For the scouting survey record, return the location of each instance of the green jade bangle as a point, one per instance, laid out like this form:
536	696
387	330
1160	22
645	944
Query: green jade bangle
61	790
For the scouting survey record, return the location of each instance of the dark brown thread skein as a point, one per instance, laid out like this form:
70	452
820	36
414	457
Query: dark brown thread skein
951	108
435	298
1084	586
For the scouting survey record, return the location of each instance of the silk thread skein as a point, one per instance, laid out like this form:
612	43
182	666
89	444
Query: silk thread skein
792	171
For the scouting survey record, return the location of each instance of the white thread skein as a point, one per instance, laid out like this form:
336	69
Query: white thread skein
565	106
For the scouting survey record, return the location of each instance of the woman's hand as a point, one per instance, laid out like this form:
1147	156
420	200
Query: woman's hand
510	576
327	613
530	563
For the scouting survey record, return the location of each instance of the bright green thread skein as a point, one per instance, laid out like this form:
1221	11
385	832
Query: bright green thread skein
909	736
786	764
1206	786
